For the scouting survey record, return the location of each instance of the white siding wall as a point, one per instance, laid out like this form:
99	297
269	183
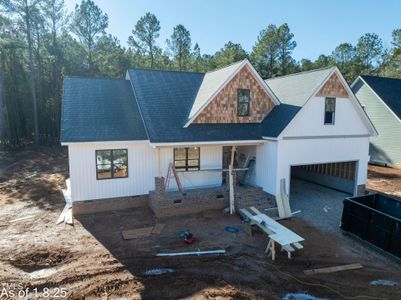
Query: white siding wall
142	168
316	151
266	166
310	120
211	157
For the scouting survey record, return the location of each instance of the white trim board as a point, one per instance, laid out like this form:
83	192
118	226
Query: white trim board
105	142
223	143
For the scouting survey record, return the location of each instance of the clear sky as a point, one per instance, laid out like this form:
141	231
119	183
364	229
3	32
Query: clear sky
318	25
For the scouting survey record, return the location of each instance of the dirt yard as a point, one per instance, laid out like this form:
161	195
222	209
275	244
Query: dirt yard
91	260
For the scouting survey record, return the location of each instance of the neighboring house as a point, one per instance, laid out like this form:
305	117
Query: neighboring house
122	134
381	99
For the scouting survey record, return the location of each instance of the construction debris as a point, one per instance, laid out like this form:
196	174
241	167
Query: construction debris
158	228
142	232
334	269
66	214
199	252
383	282
153	272
137	233
21	219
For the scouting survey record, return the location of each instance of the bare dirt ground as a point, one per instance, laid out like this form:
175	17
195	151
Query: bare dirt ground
90	260
384	180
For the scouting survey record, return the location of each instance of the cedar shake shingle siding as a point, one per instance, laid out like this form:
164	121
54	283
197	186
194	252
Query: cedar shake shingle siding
223	108
333	88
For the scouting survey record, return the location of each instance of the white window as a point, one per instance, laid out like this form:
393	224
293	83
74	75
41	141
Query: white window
329	111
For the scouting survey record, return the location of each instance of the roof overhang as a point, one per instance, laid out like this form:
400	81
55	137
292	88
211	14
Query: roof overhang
222	143
103	142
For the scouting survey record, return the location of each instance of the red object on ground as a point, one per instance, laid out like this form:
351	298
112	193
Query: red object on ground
189	240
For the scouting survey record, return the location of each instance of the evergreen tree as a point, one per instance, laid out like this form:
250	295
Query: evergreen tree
144	36
180	46
229	54
286	45
88	22
264	54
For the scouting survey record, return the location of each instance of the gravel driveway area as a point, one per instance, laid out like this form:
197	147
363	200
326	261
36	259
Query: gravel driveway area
319	205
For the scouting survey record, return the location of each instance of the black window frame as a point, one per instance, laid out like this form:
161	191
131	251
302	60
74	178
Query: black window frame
187	167
111	164
248	102
326	112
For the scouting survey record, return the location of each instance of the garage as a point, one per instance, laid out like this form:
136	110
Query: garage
338	176
317	191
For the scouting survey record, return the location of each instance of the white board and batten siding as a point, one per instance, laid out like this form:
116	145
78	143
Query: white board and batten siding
211	157
307	140
142	169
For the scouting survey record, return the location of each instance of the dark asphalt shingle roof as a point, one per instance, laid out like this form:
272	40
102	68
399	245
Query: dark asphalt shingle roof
388	89
165	99
100	109
278	119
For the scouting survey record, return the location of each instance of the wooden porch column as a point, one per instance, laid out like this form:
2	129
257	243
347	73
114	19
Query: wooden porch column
231	180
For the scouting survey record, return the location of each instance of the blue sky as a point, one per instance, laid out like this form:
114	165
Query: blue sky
318	25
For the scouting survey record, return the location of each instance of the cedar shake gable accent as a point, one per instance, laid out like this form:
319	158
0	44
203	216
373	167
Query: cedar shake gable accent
223	107
333	88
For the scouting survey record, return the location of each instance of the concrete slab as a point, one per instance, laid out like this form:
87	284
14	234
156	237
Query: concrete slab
319	205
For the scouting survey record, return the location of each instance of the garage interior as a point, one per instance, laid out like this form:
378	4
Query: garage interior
317	191
338	176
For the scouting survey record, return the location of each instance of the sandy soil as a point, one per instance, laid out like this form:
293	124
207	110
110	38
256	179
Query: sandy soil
384	180
91	260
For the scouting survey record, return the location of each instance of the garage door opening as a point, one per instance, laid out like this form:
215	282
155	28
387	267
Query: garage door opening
338	176
318	190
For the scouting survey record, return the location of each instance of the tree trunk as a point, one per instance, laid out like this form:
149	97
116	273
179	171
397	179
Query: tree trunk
32	74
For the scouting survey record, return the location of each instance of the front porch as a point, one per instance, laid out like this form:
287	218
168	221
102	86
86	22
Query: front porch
172	203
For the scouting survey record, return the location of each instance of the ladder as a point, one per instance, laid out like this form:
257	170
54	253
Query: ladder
173	172
248	173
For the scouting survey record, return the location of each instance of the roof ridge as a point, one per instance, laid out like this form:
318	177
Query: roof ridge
381	77
171	71
84	77
226	66
300	73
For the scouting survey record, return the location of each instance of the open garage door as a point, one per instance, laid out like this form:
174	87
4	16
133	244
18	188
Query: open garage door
339	176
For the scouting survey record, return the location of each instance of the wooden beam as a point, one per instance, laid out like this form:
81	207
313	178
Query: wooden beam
231	181
232	155
333	269
159	170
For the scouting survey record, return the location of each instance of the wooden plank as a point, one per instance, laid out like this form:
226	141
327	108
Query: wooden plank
255	210
288	248
231	182
298	245
21	219
137	233
199	252
68	216
333	269
246	213
158	228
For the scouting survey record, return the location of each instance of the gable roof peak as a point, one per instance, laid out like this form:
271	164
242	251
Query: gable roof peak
297	88
213	82
302	73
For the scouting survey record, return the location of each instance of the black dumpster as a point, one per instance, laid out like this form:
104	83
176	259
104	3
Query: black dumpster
375	218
